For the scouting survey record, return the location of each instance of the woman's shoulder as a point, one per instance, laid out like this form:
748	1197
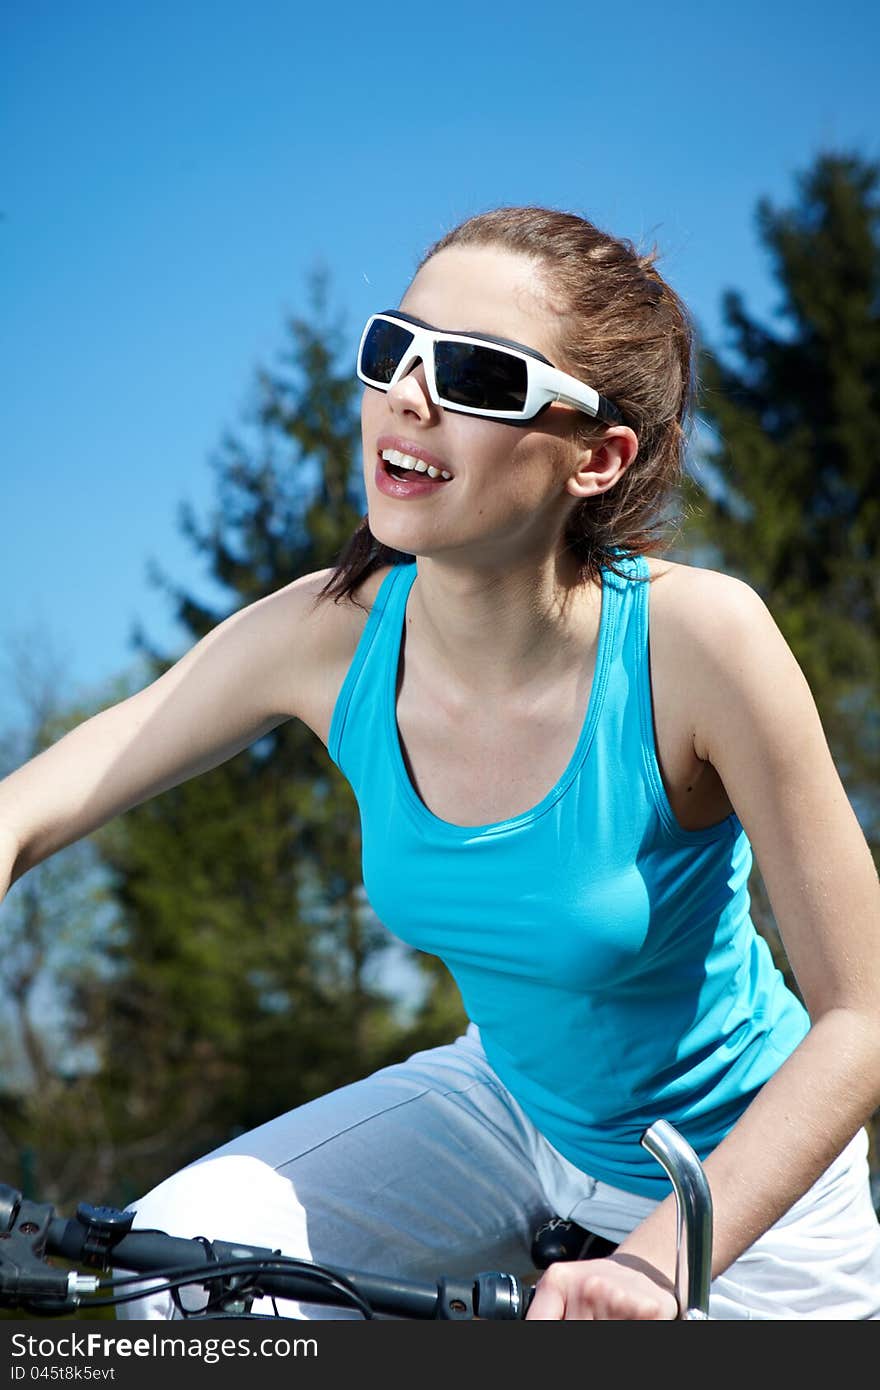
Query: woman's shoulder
700	601
703	621
331	620
326	632
716	628
339	617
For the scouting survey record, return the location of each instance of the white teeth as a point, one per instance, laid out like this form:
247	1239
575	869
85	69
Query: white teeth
413	464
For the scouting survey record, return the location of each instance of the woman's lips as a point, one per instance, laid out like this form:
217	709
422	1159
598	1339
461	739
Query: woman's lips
413	485
408	446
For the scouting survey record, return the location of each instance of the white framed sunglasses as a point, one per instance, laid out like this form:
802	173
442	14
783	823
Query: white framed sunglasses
474	374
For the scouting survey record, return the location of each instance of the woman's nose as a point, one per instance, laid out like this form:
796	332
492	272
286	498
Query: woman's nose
411	393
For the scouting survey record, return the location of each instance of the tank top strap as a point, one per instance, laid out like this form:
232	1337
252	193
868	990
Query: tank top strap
377	649
626	595
623	670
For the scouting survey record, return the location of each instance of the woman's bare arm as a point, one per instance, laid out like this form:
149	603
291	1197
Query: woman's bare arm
240	681
756	721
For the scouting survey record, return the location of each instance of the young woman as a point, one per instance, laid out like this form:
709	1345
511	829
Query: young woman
564	750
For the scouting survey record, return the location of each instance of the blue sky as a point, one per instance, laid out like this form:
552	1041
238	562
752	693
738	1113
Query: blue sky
172	172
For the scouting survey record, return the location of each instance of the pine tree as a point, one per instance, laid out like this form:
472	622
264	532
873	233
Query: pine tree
789	495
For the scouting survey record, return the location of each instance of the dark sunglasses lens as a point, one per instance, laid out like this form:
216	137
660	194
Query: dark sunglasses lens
480	377
383	348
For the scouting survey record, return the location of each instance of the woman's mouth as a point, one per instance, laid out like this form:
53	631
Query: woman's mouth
404	479
406	469
399	464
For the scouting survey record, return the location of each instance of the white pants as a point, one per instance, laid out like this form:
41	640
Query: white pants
431	1167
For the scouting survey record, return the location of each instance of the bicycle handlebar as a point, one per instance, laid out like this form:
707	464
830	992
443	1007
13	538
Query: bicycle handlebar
234	1274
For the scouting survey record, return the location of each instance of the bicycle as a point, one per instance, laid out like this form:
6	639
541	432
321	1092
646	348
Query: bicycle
234	1275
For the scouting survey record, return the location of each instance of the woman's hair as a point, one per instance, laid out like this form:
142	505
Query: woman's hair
623	330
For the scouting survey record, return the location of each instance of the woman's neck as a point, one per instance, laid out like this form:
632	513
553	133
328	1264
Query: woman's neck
502	633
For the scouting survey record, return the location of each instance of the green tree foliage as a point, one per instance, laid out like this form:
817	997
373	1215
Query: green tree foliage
57	926
789	497
248	976
787	493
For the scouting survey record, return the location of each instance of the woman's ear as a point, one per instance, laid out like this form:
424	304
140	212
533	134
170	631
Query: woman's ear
603	461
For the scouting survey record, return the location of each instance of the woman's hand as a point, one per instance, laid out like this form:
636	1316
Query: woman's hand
602	1290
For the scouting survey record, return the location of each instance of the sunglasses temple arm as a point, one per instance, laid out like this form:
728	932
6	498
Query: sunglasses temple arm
599	408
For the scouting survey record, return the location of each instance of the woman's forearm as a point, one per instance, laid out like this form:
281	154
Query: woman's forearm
794	1128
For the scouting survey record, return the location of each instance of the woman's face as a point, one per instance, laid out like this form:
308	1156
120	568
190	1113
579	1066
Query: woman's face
507	495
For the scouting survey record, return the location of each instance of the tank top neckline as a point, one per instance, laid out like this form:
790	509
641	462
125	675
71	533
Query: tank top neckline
611	597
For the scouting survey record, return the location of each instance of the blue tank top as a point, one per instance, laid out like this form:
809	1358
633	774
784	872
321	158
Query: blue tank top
607	955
